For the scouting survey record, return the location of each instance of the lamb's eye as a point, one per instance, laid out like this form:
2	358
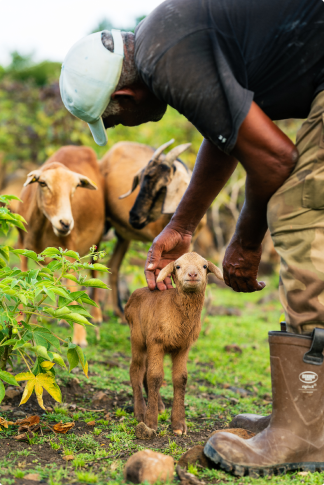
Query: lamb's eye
205	266
177	267
42	184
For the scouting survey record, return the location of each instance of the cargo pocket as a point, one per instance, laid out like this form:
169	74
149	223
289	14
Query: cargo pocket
313	190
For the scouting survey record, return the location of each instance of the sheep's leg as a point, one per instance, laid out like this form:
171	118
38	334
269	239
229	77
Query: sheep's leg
96	311
161	406
179	377
137	372
155	376
114	265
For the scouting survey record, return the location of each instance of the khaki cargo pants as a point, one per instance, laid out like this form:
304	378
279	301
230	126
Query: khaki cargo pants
296	223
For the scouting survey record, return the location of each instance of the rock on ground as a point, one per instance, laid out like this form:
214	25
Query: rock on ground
150	466
143	432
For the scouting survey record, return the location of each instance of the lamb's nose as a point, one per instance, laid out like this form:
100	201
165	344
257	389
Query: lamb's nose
192	275
65	225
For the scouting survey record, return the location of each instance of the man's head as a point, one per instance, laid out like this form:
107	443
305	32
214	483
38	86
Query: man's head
100	84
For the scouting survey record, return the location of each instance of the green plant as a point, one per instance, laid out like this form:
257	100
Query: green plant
192	469
120	413
19	473
40	293
97	431
87	477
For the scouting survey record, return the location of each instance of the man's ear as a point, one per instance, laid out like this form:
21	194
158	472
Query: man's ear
136	180
86	183
165	272
32	177
212	268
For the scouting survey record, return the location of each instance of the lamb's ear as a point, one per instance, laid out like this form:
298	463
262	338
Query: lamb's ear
212	268
86	183
136	180
165	272
32	177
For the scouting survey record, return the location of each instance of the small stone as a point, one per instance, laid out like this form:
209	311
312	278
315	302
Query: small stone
143	432
49	409
19	414
91	423
193	456
100	398
12	392
68	457
32	476
72	407
150	466
233	400
5	408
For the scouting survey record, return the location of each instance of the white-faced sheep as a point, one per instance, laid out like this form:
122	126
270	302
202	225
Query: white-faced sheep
166	322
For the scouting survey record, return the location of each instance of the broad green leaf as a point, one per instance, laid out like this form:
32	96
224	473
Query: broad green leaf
86	299
5	376
11	341
47	335
47	365
51	252
8	291
95	283
50	293
82	360
71	277
2	391
61	312
22	298
26	252
73	358
41	351
20	343
58	360
72	254
77	318
4	252
61	292
40	340
79	309
100	267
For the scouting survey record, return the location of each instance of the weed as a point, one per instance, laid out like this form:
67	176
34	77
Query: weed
55	446
193	469
19	473
78	462
120	413
97	431
87	477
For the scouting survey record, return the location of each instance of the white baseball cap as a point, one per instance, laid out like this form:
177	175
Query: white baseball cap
90	74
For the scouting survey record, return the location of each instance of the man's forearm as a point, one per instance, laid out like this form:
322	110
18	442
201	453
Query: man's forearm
212	170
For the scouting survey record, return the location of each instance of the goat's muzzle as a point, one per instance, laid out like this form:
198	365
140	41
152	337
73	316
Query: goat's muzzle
136	221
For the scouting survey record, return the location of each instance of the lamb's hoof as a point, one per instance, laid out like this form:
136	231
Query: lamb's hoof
143	432
178	432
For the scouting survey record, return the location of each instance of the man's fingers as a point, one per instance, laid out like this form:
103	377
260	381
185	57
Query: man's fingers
150	278
154	256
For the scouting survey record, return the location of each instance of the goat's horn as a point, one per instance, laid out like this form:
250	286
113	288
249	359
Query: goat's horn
158	152
175	152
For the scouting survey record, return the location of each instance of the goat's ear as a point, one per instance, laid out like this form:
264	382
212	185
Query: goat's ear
212	268
32	177
86	183
136	180
165	272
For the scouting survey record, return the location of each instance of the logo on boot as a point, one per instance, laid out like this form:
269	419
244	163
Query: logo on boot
308	377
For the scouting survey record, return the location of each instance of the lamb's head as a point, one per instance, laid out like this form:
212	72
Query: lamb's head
189	272
56	187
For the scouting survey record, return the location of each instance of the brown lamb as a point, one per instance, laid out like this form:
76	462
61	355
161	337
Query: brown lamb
166	322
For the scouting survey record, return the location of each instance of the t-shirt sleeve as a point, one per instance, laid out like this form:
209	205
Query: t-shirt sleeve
194	77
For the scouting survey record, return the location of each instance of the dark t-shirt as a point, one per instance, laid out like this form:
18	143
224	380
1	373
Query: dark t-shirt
210	58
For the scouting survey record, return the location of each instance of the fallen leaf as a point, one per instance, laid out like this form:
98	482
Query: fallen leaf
24	436
25	428
91	423
122	418
42	380
68	457
63	428
114	465
32	476
30	421
4	423
107	417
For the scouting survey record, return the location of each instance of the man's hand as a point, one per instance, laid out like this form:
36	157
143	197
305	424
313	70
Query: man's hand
167	246
240	267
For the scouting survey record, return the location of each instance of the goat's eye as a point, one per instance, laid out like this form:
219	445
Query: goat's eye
205	266
42	184
178	267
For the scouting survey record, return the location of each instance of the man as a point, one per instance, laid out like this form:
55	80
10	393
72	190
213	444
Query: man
232	66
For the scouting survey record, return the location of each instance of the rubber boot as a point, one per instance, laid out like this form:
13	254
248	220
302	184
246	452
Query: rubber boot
294	439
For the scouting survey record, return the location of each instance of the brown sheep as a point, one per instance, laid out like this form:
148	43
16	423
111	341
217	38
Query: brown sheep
166	322
58	214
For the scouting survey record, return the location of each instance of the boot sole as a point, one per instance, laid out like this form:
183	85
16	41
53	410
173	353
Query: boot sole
261	471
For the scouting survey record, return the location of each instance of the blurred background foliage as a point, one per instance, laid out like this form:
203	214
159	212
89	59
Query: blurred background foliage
34	124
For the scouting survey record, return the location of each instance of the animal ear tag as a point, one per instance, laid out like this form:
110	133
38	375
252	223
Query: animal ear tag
86	183
32	177
212	268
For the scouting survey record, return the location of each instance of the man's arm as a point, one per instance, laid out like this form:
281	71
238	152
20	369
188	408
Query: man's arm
268	157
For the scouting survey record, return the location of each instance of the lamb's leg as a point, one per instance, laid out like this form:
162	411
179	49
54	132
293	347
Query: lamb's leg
155	376
114	265
179	377
161	406
137	372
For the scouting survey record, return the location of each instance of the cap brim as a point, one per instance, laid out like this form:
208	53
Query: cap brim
98	131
